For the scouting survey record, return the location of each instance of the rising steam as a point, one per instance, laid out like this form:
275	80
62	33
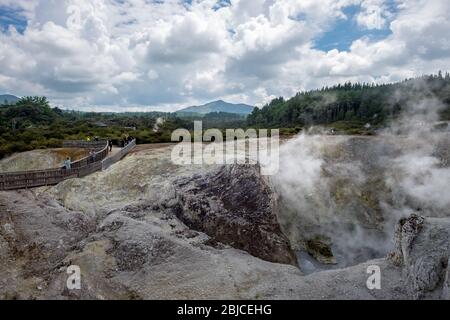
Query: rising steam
349	192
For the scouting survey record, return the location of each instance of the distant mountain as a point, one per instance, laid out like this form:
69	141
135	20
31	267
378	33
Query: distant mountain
8	99
218	106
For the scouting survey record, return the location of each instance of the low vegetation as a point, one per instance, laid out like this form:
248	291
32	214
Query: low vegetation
31	123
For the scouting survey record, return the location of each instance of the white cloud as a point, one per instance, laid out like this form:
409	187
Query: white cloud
136	54
374	14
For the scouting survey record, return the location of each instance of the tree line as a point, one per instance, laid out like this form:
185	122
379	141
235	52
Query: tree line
361	103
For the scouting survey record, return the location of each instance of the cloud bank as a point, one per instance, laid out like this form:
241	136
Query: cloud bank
161	55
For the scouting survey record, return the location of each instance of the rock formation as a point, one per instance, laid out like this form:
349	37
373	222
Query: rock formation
141	254
235	206
423	250
146	229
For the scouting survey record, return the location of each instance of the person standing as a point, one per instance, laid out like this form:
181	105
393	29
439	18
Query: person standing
68	164
91	157
110	143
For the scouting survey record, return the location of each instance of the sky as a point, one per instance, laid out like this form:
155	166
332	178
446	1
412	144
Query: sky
138	55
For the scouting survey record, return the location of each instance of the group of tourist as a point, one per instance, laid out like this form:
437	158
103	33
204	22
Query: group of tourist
127	140
92	154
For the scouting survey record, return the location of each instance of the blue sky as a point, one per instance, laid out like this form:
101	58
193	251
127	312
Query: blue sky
134	55
12	16
343	32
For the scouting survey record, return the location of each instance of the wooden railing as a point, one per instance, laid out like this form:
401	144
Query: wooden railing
108	162
30	179
39	178
96	145
95	157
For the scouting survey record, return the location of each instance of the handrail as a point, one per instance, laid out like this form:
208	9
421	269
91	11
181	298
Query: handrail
38	178
108	162
98	156
84	144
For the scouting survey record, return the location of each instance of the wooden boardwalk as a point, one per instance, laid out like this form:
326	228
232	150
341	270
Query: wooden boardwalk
100	160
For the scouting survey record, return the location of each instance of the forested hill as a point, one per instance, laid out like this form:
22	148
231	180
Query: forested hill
352	103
